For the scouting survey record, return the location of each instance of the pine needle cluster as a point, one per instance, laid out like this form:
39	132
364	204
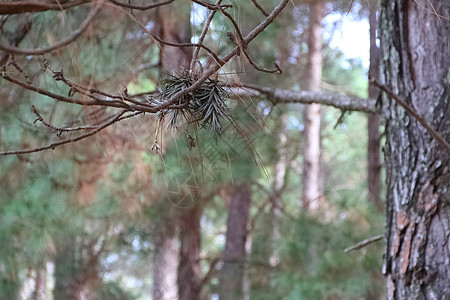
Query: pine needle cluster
205	107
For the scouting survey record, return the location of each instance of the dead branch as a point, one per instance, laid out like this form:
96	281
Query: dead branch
77	33
52	146
215	67
288	96
20	7
260	8
202	36
146	7
410	111
364	243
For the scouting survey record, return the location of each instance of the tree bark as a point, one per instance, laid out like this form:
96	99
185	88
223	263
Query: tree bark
415	64
233	270
373	122
40	286
311	178
189	275
173	25
165	261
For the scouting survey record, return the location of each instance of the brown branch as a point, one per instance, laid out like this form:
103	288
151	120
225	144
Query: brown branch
20	7
146	7
161	41
202	36
77	33
306	97
257	30
67	141
410	111
96	102
212	6
260	8
242	44
364	243
210	272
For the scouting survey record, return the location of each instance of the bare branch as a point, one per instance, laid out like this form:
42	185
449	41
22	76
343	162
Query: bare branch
306	97
77	33
202	36
67	141
20	7
257	30
364	243
410	111
260	8
146	7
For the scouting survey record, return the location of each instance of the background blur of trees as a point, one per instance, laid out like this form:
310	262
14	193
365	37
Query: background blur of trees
109	217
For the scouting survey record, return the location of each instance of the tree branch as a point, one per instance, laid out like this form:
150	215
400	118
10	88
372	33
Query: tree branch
306	97
410	111
20	7
364	243
52	146
94	11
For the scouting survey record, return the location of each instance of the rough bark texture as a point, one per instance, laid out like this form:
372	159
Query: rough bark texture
189	275
233	270
373	122
311	178
415	64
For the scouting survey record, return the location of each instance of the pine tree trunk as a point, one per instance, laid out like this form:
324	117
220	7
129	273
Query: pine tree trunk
189	275
165	261
415	64
373	123
233	270
173	24
40	286
311	178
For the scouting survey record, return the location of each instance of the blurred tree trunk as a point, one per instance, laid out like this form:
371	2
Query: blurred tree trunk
189	275
173	25
415	65
66	281
76	271
233	269
373	122
40	286
311	178
165	260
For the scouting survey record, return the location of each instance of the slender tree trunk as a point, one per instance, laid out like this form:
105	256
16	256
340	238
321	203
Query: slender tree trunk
173	26
373	122
311	178
189	275
415	64
233	270
165	261
66	274
40	286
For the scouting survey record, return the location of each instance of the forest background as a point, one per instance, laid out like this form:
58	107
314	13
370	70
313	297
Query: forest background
150	208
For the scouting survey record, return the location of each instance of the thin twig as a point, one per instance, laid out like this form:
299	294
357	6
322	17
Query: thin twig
94	11
260	8
146	7
20	7
202	36
211	70
66	141
410	111
364	243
